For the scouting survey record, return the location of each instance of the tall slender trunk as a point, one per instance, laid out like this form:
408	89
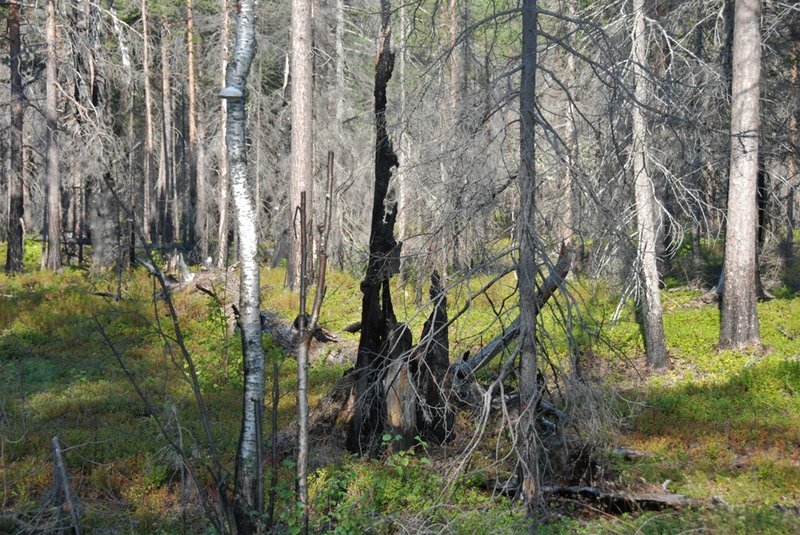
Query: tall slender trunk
128	230
51	255
149	209
302	132
569	221
377	314
339	67
646	207
166	227
197	213
249	496
526	269
16	207
222	230
402	176
794	140
739	327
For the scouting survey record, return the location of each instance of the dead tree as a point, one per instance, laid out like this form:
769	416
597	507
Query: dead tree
378	322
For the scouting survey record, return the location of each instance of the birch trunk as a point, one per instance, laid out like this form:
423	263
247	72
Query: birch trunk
249	496
302	132
52	253
739	318
646	207
16	207
527	445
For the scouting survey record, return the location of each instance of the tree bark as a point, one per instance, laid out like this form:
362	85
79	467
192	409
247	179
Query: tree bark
739	318
527	446
222	233
339	66
646	206
248	492
794	141
197	213
166	226
16	207
302	133
148	195
377	315
52	250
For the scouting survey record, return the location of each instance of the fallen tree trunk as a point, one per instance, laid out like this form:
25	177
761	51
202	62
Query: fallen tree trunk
554	281
620	502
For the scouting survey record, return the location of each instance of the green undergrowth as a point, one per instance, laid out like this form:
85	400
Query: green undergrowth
721	427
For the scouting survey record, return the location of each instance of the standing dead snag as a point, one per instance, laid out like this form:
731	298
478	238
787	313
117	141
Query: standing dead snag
429	364
377	316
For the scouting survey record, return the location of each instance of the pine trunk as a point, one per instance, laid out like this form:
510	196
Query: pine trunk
52	251
16	207
302	134
739	318
224	186
527	446
646	206
148	195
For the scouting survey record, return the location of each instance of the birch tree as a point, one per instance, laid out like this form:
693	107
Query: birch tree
223	186
739	317
249	496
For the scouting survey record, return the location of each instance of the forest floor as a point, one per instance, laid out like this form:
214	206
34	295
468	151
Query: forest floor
720	427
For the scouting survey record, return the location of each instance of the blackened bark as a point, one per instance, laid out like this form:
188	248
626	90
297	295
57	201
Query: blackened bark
429	366
377	315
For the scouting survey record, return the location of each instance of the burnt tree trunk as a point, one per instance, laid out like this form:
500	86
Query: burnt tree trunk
377	316
429	365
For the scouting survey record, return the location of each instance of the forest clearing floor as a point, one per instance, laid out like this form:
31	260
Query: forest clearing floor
719	427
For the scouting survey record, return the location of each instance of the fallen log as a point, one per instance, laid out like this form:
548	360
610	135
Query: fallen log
610	501
620	502
467	367
325	345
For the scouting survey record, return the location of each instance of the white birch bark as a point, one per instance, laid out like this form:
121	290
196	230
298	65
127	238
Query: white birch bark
249	468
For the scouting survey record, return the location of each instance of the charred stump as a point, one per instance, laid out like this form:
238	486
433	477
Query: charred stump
429	365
